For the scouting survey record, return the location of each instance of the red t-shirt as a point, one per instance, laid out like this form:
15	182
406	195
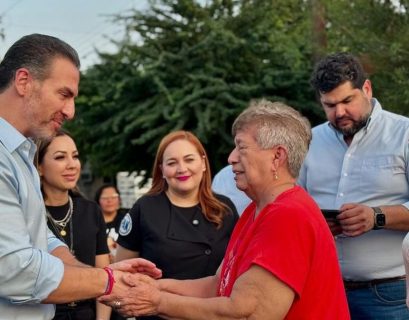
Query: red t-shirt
290	239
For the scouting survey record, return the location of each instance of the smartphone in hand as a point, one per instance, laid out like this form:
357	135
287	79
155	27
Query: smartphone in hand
330	213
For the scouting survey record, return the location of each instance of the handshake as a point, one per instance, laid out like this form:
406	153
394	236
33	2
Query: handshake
132	289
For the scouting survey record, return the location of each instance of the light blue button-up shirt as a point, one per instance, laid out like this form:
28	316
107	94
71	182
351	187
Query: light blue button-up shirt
373	170
224	183
28	273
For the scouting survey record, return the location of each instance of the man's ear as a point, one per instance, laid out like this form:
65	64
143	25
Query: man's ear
22	81
367	88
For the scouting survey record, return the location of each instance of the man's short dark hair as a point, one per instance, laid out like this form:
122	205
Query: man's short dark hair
36	53
336	69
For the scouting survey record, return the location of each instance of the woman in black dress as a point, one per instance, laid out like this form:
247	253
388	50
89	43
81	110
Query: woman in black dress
72	218
180	225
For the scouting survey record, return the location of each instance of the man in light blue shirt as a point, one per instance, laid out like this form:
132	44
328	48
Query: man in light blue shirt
358	162
39	78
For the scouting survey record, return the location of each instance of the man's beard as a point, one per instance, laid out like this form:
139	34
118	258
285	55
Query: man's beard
39	128
355	127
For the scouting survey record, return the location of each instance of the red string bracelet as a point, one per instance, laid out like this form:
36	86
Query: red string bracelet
111	280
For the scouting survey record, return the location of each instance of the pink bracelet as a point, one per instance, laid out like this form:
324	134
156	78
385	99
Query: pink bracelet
111	280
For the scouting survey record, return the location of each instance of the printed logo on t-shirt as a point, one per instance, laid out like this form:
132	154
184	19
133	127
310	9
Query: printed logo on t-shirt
126	225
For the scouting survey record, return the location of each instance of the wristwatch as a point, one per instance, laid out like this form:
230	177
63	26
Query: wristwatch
379	218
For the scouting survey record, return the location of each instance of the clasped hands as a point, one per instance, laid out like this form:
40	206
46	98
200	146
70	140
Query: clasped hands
135	292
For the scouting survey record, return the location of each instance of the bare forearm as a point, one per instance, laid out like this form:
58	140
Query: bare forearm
79	283
203	288
397	217
256	295
65	255
178	307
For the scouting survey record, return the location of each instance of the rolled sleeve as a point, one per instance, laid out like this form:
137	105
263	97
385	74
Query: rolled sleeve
53	242
28	273
33	277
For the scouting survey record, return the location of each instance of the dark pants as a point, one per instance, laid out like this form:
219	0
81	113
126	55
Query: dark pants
116	316
84	310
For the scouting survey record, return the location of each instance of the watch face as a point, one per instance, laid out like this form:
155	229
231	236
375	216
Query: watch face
380	219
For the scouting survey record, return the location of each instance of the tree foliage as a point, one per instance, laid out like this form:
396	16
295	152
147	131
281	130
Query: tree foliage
192	66
375	31
195	65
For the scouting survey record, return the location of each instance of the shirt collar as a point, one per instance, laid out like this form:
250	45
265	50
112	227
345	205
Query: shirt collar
10	137
375	113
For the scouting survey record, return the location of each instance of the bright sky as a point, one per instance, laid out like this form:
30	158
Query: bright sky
84	24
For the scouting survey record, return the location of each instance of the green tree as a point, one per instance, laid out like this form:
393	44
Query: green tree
376	31
193	66
189	65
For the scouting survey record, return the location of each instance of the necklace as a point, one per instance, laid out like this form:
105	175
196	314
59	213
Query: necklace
59	226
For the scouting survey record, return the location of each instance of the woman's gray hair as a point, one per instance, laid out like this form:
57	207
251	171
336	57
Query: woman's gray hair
277	124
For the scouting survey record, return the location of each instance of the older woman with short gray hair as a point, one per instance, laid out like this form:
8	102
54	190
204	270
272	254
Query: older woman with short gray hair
281	261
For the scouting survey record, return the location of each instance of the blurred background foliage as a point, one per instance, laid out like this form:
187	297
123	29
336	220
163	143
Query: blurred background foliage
195	65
